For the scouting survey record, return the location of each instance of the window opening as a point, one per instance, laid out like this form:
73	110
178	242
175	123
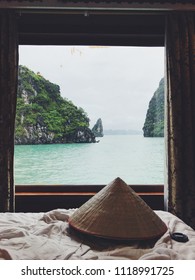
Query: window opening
121	86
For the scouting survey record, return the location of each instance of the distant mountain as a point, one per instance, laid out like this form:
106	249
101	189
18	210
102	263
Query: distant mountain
44	117
121	132
154	122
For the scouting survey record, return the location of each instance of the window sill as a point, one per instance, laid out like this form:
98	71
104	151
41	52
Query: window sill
41	198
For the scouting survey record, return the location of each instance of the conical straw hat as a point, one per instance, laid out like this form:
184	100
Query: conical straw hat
117	212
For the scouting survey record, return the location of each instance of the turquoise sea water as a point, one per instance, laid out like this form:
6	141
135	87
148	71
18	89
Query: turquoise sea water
137	160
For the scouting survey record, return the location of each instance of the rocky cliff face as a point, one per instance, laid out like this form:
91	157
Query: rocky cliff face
35	134
98	128
44	117
154	122
82	135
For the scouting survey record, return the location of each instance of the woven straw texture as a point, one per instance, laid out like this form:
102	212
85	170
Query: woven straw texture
117	212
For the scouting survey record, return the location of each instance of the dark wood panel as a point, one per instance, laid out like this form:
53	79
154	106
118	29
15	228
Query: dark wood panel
113	29
44	198
81	188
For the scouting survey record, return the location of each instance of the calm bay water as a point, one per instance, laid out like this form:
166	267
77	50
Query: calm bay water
137	160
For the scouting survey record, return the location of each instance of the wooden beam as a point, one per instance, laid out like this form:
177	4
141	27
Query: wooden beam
155	5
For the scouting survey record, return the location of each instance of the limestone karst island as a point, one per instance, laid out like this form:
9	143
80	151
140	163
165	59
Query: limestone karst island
43	116
154	122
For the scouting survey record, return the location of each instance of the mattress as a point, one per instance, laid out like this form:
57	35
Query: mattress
48	236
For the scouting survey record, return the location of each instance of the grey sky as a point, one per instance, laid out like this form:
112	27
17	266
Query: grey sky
111	83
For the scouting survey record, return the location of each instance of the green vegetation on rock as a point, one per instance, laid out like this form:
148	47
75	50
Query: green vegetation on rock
43	115
154	122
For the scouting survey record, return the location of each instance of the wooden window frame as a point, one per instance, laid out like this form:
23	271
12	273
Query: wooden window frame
110	28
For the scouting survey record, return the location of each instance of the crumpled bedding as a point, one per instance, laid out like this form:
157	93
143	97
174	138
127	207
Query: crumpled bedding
47	236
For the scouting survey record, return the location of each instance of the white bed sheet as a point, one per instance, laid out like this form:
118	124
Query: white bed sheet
47	236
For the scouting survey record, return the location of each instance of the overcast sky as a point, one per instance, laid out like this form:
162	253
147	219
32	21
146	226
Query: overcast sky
111	83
